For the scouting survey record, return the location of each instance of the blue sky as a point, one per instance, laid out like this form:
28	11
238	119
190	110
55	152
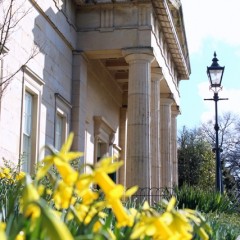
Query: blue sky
211	25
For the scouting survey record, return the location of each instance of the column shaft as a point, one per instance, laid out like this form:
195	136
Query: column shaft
138	127
155	128
166	141
79	101
123	144
174	148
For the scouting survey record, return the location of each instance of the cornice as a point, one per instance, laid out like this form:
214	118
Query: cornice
166	21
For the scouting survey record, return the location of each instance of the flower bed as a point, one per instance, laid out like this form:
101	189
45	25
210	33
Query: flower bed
59	203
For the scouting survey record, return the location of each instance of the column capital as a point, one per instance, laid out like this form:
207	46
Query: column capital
133	54
166	101
175	110
156	74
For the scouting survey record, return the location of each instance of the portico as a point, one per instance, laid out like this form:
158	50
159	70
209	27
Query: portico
143	51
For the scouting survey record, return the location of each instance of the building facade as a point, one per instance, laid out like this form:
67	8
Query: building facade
108	70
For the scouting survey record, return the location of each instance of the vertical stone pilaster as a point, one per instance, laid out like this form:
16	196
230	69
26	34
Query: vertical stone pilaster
174	159
166	172
79	101
138	127
106	17
123	144
155	127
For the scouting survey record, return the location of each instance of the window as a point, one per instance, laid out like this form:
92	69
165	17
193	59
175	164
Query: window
104	138
59	133
61	129
27	131
31	105
102	149
62	119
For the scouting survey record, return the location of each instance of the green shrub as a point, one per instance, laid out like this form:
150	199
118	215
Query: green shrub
204	201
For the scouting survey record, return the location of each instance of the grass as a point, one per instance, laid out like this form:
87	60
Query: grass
224	226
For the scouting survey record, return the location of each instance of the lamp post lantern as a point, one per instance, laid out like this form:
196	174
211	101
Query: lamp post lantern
215	74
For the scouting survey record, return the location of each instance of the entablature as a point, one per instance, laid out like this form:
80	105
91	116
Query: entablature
114	15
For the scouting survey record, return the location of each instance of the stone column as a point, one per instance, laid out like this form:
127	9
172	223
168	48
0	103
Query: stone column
155	127
174	162
138	127
123	144
79	101
165	112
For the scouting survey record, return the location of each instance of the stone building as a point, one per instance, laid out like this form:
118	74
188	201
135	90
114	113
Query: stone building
108	70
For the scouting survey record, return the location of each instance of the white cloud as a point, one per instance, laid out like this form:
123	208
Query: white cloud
230	105
216	19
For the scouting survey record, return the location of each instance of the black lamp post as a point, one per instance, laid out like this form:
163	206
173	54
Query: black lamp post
215	74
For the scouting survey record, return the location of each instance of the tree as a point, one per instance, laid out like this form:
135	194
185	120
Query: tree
11	13
229	142
195	159
196	154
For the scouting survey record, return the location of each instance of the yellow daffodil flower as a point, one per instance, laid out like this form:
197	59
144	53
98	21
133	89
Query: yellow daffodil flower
5	173
107	165
29	198
63	156
123	218
89	196
32	211
20	176
97	226
2	231
21	236
63	196
68	174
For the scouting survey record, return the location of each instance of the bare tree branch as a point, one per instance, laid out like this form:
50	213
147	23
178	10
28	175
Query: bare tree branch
12	12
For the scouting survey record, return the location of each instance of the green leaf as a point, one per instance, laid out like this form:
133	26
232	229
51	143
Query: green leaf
55	228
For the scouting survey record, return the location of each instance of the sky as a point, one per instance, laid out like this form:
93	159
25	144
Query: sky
210	25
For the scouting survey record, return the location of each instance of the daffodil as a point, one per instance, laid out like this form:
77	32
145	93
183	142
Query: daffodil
170	225
29	198
63	196
104	181
83	182
33	211
19	176
97	226
21	236
68	174
5	173
89	196
41	189
200	222
2	231
85	213
58	159
113	192
80	211
107	165
177	223
123	218
151	226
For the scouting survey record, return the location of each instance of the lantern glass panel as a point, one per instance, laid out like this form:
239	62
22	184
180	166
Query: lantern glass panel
216	75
